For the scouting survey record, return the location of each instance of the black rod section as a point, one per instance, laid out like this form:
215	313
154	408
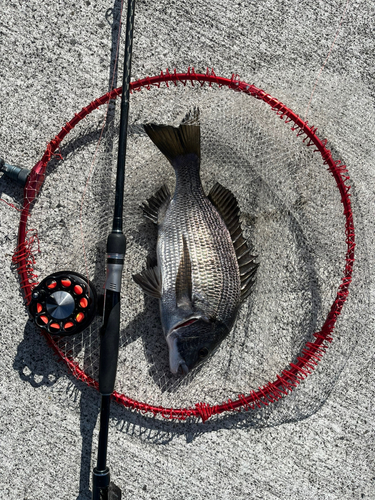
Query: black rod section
103	433
116	246
119	199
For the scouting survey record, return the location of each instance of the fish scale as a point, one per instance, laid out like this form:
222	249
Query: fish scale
214	264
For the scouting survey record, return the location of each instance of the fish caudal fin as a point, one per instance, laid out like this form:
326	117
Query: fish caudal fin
226	204
177	141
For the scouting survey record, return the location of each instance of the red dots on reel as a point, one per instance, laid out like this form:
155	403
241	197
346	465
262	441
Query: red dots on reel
64	303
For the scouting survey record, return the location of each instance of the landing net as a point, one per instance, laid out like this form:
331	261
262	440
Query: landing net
291	192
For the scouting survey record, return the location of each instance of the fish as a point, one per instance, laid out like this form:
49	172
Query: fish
204	268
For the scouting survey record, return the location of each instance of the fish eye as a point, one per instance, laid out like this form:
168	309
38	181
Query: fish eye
203	352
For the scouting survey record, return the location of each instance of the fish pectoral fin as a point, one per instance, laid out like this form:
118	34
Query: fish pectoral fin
151	262
157	204
150	281
184	280
226	204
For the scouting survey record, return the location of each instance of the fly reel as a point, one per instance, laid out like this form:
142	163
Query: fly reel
64	303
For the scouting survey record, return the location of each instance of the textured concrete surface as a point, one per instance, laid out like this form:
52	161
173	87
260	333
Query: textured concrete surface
55	59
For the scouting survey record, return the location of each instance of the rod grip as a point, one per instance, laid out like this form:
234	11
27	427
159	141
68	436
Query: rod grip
100	484
15	173
109	343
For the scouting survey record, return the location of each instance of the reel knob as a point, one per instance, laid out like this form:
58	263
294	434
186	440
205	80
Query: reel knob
64	303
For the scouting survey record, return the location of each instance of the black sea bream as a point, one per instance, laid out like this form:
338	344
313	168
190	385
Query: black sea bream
204	268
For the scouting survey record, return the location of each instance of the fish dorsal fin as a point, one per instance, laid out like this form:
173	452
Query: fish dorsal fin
154	206
177	141
150	281
226	204
183	279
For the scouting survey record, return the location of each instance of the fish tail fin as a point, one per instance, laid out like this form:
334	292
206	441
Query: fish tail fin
177	141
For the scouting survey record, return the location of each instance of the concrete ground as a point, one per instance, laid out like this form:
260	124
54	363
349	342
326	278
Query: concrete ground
318	443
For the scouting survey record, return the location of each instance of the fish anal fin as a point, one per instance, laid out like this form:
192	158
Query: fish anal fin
150	281
154	207
226	204
184	280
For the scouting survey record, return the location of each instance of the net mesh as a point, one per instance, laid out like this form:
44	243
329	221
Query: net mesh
290	194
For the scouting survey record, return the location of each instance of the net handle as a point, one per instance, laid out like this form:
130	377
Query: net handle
313	351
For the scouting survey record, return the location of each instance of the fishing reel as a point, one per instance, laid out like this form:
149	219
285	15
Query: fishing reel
64	303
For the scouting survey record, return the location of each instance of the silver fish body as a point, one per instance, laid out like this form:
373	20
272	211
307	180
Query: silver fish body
198	276
215	295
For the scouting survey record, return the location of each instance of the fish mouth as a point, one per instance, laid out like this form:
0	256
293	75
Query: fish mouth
176	362
183	369
184	323
189	321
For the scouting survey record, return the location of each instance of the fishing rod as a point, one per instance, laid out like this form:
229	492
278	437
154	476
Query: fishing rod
65	302
103	489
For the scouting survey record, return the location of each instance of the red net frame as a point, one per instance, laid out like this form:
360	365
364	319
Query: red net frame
312	351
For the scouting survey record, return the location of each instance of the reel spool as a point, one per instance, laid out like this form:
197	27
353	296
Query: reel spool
64	303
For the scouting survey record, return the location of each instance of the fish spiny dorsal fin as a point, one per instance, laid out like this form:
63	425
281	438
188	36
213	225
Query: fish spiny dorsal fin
227	206
152	207
183	279
180	141
150	281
